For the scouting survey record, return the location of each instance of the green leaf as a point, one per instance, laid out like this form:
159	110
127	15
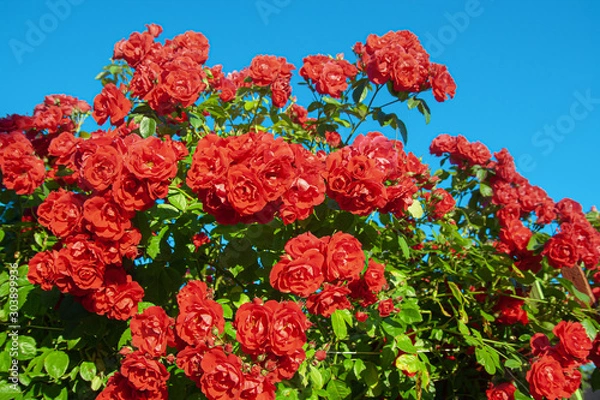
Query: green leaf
153	248
370	375
337	390
485	190
87	370
401	126
408	362
178	200
315	377
405	344
359	367
513	363
27	348
147	127
410	315
96	383
339	325
488	358
404	247
360	93
595	379
56	364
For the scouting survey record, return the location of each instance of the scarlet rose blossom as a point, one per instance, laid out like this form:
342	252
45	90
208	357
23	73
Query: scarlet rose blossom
386	307
442	203
61	212
189	360
100	169
288	365
287	332
79	267
360	291
264	70
594	355
546	379
132	194
196	323
23	174
244	191
118	388
222	377
444	143
280	92
441	82
375	276
41	270
257	387
574	341
152	331
345	258
333	139
111	103
134	49
502	391
561	251
183	86
540	344
300	244
327	301
301	276
252	324
144	374
152	158
105	218
191	44
510	311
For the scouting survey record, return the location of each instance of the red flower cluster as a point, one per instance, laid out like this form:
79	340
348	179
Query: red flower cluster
252	177
576	242
554	374
272	334
24	140
122	175
374	173
510	310
399	58
111	103
461	151
142	375
326	270
275	73
167	76
329	75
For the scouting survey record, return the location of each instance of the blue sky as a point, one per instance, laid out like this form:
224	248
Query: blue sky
528	76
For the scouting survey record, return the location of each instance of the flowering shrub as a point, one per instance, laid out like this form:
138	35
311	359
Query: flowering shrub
218	240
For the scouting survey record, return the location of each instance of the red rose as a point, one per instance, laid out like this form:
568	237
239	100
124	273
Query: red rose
280	92
144	374
151	331
105	218
99	170
375	277
287	332
443	203
111	103
151	158
79	266
300	244
287	366
301	276
189	360
198	317
61	212
546	379
444	143
328	300
192	44
332	80
131	193
256	386
118	388
594	355
264	70
209	163
386	307
345	258
183	86
333	139
561	251
41	270
540	344
574	341
244	191
222	378
441	82
510	311
23	174
502	391
252	323
118	298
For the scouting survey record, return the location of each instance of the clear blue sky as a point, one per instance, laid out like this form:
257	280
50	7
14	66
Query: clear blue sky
528	73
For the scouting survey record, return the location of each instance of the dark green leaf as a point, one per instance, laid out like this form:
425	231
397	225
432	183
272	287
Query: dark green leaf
337	390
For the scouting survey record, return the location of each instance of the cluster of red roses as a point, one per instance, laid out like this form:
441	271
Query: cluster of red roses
326	271
118	176
329	75
399	58
169	75
376	174
554	373
271	335
253	176
24	141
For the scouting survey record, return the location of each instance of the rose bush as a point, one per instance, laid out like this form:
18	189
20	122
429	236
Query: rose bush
217	239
